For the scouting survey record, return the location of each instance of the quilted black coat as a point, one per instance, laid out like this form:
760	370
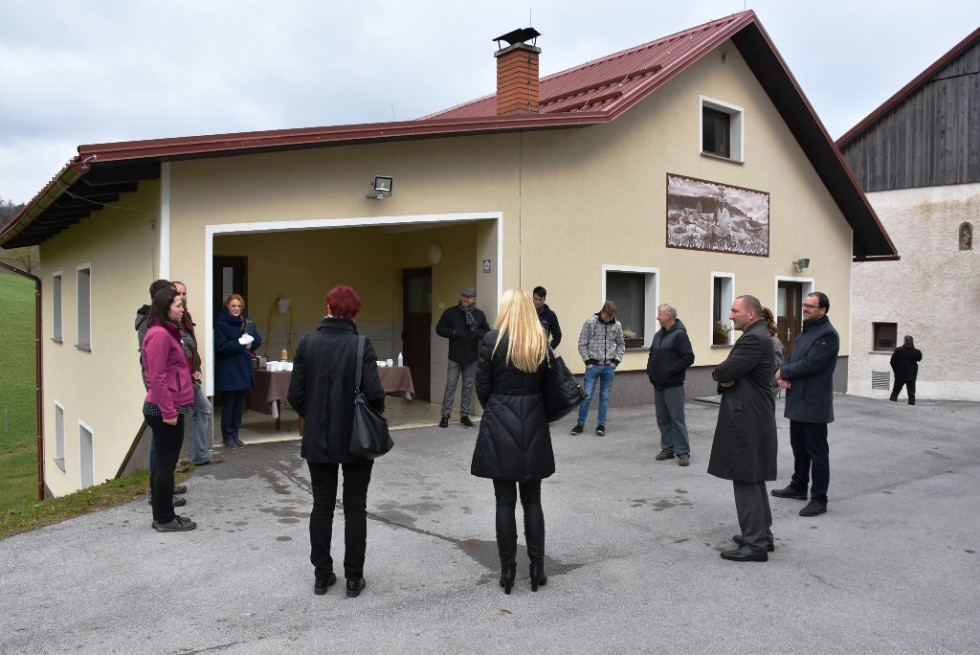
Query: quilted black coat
514	442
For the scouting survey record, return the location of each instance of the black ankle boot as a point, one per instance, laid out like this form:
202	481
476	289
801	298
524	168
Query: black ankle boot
534	533
507	575
507	546
537	576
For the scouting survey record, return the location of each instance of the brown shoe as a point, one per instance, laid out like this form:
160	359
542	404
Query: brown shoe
663	454
683	460
214	459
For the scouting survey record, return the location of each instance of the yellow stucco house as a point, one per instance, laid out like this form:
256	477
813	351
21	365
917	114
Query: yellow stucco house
687	170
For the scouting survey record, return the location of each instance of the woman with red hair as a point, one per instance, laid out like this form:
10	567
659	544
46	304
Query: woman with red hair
235	339
321	390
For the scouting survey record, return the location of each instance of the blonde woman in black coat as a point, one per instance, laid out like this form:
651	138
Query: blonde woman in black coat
513	447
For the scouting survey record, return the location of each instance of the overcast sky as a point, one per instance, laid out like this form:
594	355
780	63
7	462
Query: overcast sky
76	72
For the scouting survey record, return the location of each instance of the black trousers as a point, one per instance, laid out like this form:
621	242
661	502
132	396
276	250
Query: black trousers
506	495
323	477
897	388
167	440
810	452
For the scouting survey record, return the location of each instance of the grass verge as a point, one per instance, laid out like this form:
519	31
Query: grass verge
55	510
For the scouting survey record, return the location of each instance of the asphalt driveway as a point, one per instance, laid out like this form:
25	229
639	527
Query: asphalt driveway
632	554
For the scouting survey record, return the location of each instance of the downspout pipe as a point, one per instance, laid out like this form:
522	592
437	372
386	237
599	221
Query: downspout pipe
38	374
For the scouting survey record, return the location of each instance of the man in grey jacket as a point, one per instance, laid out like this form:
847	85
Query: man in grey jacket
601	346
670	357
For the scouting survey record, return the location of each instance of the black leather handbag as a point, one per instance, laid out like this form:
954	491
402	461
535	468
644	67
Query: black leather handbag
369	436
562	392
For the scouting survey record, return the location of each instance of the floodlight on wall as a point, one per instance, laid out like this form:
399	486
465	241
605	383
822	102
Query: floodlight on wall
800	264
383	185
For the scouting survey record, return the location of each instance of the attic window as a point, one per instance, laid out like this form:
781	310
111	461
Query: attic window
721	129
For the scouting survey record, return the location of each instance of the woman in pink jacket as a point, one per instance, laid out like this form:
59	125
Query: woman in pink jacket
169	397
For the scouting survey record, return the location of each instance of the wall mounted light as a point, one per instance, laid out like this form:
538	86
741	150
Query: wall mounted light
800	264
383	185
435	253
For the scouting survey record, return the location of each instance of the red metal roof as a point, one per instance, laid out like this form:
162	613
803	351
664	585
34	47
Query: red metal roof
614	83
595	92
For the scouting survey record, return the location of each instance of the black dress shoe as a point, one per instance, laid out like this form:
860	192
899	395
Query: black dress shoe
815	508
740	540
444	422
354	587
790	492
745	554
465	420
321	584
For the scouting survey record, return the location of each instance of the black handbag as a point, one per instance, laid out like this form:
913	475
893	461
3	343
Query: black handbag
562	392
369	436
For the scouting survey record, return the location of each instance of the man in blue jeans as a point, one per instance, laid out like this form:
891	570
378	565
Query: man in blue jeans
601	346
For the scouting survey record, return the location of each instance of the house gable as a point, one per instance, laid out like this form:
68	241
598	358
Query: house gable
926	134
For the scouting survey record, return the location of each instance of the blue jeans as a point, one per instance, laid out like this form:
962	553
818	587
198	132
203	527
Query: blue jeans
670	420
604	376
453	372
199	427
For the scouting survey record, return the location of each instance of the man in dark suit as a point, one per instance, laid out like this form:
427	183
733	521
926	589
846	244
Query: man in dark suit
744	446
905	364
807	375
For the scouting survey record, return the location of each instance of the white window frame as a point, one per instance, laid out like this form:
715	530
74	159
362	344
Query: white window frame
726	299
736	128
86	456
83	307
57	284
651	292
59	435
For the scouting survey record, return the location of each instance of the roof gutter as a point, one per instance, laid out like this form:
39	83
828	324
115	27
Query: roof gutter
71	173
38	393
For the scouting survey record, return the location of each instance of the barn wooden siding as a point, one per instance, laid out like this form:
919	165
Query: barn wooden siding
930	139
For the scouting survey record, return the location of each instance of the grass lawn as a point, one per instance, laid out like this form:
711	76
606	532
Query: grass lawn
18	421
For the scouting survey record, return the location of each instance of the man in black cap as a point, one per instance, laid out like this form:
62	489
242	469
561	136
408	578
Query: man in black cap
464	325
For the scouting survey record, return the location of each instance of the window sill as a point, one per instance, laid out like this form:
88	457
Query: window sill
712	155
60	461
87	349
54	340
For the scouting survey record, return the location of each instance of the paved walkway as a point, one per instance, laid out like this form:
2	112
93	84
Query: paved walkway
632	547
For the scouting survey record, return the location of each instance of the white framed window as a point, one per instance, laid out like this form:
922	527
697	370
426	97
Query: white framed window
722	129
56	307
722	295
59	435
86	456
83	307
634	290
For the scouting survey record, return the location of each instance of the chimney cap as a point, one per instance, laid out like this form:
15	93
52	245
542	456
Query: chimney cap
519	35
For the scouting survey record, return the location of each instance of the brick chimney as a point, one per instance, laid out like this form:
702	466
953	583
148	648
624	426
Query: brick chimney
517	74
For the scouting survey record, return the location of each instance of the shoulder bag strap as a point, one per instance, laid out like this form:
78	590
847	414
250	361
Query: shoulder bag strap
358	363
